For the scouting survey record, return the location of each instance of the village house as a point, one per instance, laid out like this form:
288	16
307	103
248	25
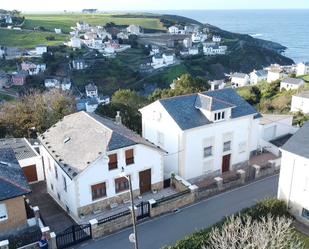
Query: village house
134	29
300	102
291	84
187	42
14	186
84	177
214	50
274	73
302	68
32	68
216	38
294	174
123	35
41	49
169	58
79	64
217	84
189	29
174	30
239	79
154	50
198	37
58	31
91	90
58	83
204	134
75	42
82	26
19	78
256	76
28	158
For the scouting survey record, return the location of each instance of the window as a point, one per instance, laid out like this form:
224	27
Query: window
98	191
56	171
64	183
121	184
49	167
227	146
242	147
219	116
3	212
305	213
113	162
208	151
52	186
129	156
59	197
160	138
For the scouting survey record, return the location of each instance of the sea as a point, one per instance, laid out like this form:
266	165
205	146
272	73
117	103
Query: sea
287	27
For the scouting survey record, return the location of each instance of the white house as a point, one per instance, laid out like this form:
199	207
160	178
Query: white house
204	134
300	102
257	76
82	26
32	68
302	68
28	158
154	50
58	31
210	50
66	84
239	79
216	38
294	174
198	37
75	42
41	49
84	155
123	35
134	29
274	73
169	58
173	30
187	42
291	84
52	83
217	84
79	64
91	90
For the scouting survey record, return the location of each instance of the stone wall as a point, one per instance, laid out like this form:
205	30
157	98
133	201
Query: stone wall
179	183
17	217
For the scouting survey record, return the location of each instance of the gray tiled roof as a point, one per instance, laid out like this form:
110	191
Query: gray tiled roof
20	146
211	104
239	75
91	87
293	81
261	73
81	138
13	182
298	144
183	108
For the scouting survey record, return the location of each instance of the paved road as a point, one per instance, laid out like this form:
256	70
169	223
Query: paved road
167	229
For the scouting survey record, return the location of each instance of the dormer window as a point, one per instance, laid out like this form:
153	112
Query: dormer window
219	116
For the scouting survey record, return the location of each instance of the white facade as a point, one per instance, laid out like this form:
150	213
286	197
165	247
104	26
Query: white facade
255	77
274	75
216	38
169	59
134	29
198	37
287	85
300	103
302	69
78	190
187	42
240	80
173	30
186	148
40	50
75	42
214	50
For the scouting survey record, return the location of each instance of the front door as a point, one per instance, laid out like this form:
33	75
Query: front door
226	163
145	181
30	173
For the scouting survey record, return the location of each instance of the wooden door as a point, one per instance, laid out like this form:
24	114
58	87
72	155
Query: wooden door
145	181
30	173
226	163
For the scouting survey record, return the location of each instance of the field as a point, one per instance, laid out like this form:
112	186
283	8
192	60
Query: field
66	21
28	39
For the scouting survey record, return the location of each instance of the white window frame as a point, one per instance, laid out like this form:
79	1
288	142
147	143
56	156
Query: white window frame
3	212
211	151
305	213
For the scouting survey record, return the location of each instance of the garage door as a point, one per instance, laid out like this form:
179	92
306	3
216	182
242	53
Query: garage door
30	173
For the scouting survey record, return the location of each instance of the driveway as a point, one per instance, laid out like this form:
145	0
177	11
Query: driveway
52	214
167	229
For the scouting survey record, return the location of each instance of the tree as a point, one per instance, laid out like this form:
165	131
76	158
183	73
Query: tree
34	110
128	98
245	233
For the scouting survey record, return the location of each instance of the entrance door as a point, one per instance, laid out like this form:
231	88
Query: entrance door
226	163
145	181
30	173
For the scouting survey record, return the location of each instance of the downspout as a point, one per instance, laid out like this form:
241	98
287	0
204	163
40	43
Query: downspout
291	184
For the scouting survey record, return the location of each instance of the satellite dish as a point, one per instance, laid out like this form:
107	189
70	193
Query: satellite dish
132	238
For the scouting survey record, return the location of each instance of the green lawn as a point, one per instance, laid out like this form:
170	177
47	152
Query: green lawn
66	21
303	238
27	39
306	78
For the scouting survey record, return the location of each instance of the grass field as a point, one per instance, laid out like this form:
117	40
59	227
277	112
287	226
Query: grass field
66	21
26	39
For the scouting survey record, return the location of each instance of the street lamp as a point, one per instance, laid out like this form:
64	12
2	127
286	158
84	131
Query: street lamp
122	174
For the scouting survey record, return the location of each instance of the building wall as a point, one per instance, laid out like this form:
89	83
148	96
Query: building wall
17	217
294	183
240	81
144	158
237	131
287	86
37	161
300	104
156	121
67	198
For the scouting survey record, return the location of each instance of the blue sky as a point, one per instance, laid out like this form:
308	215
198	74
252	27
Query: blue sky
74	5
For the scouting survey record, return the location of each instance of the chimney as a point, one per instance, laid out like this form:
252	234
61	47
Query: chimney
118	118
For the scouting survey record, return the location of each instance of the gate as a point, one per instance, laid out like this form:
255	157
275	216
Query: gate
143	210
73	235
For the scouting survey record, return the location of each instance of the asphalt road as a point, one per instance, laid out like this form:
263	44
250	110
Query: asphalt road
167	229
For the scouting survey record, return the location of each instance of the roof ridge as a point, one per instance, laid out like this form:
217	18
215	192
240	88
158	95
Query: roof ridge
14	183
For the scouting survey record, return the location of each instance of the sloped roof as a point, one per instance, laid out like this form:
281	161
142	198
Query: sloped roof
239	75
183	108
20	146
293	81
261	73
82	138
13	182
211	104
298	143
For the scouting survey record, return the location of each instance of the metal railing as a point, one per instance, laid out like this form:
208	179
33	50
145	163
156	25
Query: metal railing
114	217
171	197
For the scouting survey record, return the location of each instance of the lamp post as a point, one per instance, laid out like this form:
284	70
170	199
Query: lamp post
132	207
